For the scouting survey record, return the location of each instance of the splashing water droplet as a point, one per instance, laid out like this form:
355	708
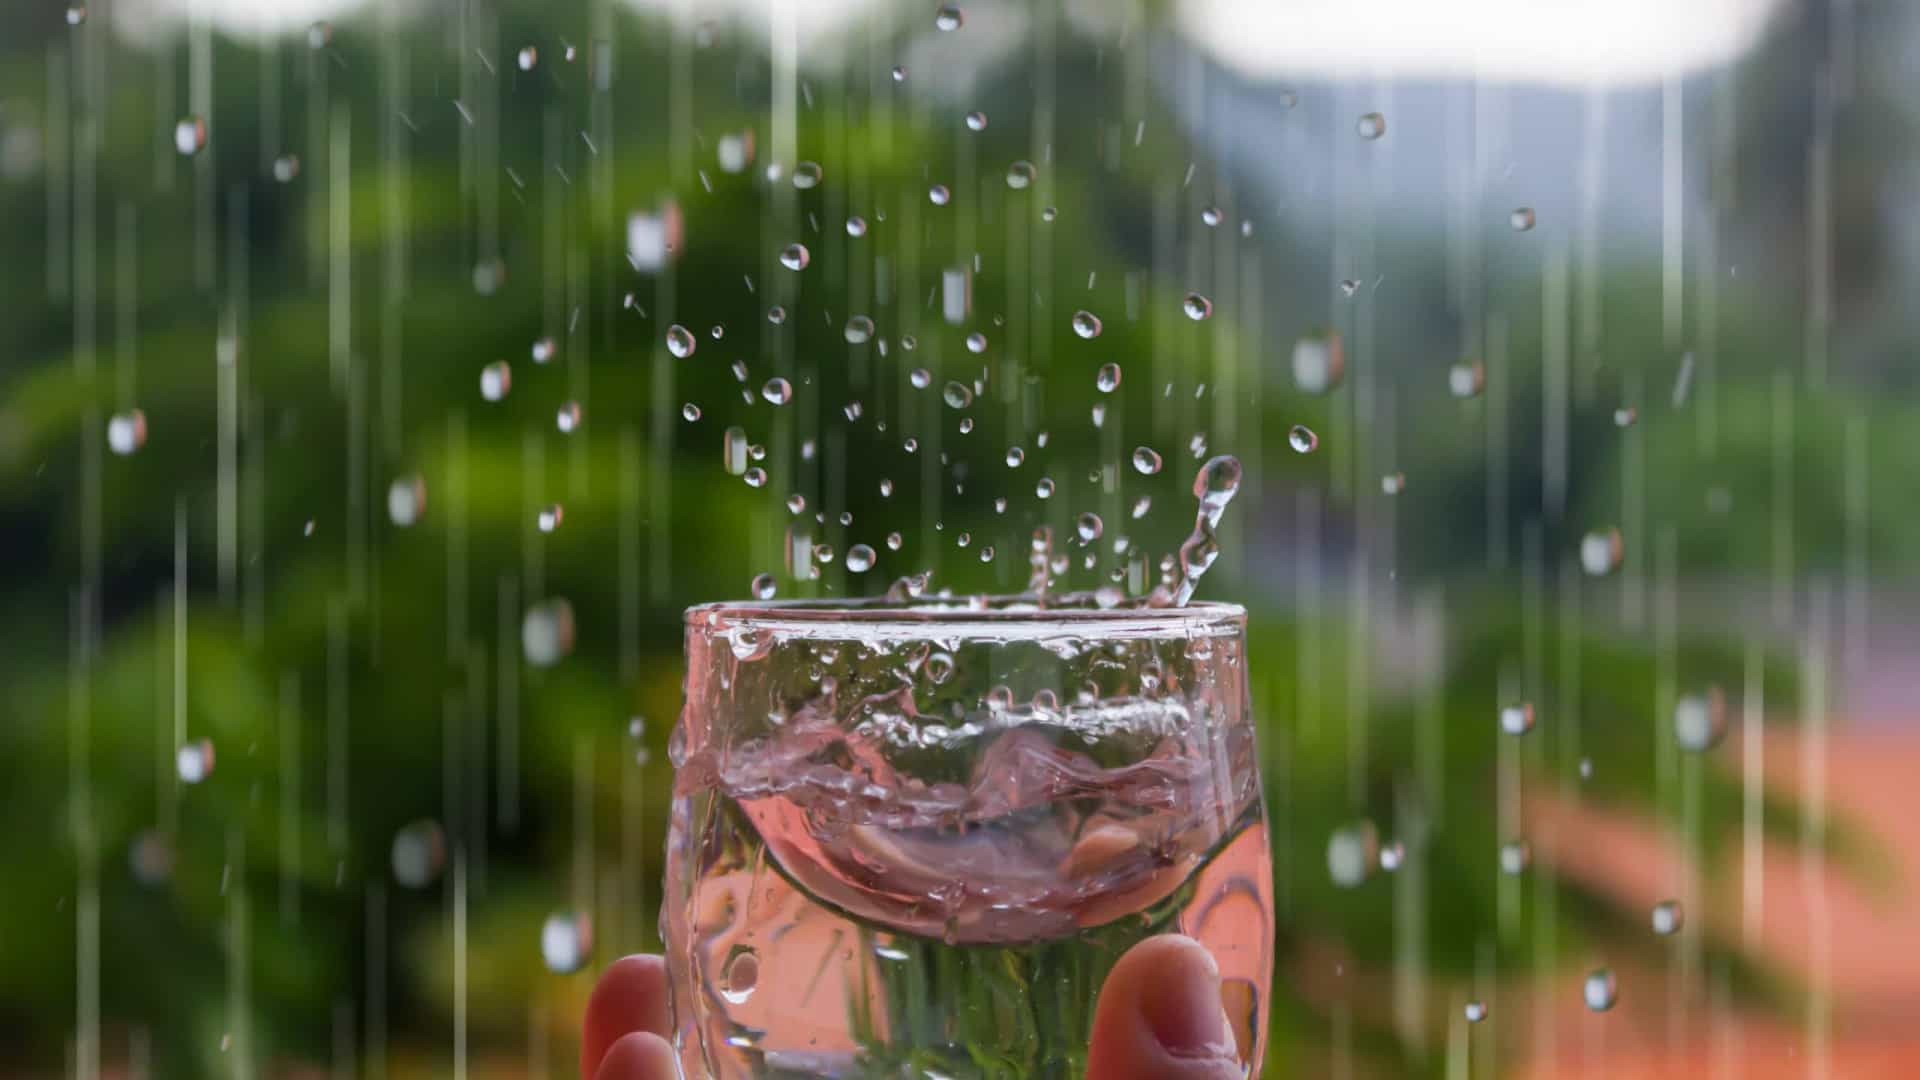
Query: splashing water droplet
1020	175
1217	482
418	853
495	380
528	56
1392	856
733	450
193	762
286	167
1302	439
1667	918
860	558
1086	324
1048	213
1015	457
546	632
1349	286
1146	460
949	17
1517	719
542	350
920	377
567	417
1700	720
1515	857
938	195
680	341
806	175
859	330
1522	219
856	226
1466	379
126	431
190	135
76	14
1319	362
777	314
957	395
566	941
550	517
899	74
1601	552
763	587
794	257
1475	1011
1353	850
755	477
1600	990
1371	125
1210	216
976	342
1089	527
976	121
777	391
1141	505
1393	484
406	499
1197	307
690	412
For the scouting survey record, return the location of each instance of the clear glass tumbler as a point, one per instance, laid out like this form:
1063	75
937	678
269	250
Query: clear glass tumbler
910	841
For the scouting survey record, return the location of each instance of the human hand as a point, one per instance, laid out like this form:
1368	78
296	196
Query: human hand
1159	1017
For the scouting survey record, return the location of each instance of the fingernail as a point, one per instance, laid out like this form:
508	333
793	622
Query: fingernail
1182	1005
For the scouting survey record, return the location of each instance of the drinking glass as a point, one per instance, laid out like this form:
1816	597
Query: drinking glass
912	840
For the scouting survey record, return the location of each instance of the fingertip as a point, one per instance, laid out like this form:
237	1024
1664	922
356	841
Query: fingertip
638	1055
1159	1016
630	997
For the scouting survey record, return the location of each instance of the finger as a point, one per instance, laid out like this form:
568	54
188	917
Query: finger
638	1055
1159	1017
630	996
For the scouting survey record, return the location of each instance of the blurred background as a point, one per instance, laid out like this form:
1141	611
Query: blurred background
382	380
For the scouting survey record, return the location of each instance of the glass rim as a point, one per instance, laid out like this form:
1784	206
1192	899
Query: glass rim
869	615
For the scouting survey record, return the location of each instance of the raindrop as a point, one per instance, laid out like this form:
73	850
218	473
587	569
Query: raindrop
949	17
976	121
1517	719
777	314
796	503
920	377
1107	379
1475	1011
495	380
856	226
894	540
1466	379
406	499
1515	857
1146	461
806	175
126	431
986	553
1044	488
1197	307
859	330
190	135
1371	125
1700	720
680	341
286	167
690	412
550	517
194	761
566	940
719	331
546	632
1210	216
528	57
793	257
886	488
1600	990
956	395
1667	918
1319	362
1086	324
567	417
1302	439
1601	552
1352	852
1020	175
976	342
859	558
755	477
777	390
418	854
1521	219
542	350
762	587
938	195
1089	526
1015	457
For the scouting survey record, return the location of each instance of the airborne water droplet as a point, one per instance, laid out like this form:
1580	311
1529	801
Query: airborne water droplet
567	417
1015	457
1601	552
1700	720
1089	527
286	167
1020	175
806	175
938	195
1302	439
190	135
1146	460
566	941
495	380
859	330
793	257
1107	379
127	431
1475	1011
1210	216
1086	324
1319	362
1371	125
1600	990
1515	857
856	226
1667	918
976	121
550	517
976	342
763	587
406	499
528	57
680	341
1521	219
1466	378
194	761
1197	307
777	391
546	632
690	412
957	395
1517	719
920	377
949	17
860	558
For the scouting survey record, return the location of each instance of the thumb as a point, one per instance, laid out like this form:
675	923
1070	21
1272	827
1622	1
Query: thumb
1160	1017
